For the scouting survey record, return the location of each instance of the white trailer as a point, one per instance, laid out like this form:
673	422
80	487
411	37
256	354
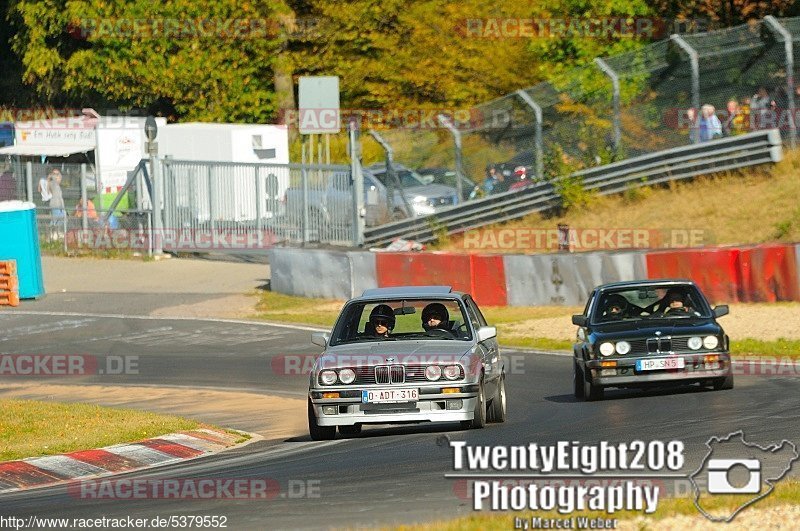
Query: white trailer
226	192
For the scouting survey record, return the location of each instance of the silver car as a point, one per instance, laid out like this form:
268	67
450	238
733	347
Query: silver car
406	355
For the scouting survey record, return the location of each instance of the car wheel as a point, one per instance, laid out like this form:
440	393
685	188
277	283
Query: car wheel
479	418
591	392
350	431
724	383
577	380
497	408
318	433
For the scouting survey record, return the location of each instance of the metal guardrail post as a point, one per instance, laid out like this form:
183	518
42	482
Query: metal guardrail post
779	30
539	151
211	200
84	214
607	70
29	180
447	124
259	201
694	60
359	214
391	177
158	226
306	231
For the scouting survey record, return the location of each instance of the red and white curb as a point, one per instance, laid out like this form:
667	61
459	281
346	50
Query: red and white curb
163	450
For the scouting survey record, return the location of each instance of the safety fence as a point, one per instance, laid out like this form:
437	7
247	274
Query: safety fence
764	273
685	89
675	164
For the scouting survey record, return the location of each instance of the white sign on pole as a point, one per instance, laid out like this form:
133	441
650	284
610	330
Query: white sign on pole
319	105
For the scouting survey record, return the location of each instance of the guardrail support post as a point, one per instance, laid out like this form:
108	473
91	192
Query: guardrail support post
446	123
607	70
538	149
359	214
780	31
391	177
84	214
29	180
694	61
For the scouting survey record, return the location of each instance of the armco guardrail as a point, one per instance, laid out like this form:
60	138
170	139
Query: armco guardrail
670	165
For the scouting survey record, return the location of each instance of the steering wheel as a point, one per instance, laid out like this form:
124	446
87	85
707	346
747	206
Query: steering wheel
674	311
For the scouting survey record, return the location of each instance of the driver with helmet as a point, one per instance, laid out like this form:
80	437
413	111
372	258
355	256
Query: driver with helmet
435	316
381	320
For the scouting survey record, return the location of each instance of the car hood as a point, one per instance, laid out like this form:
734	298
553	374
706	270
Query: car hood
428	190
404	352
650	327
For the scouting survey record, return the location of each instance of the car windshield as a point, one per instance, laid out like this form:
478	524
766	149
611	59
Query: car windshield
651	302
407	178
401	320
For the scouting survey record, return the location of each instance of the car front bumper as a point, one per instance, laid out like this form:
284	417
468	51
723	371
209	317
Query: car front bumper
626	375
432	406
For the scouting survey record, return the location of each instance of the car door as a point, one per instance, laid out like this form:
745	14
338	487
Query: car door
490	352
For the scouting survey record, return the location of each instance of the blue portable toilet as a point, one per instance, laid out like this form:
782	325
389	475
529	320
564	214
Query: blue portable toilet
19	240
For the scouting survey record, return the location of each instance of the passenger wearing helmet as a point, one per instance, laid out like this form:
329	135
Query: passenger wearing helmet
615	306
381	321
435	316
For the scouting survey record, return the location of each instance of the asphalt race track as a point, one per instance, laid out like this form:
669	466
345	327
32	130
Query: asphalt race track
387	475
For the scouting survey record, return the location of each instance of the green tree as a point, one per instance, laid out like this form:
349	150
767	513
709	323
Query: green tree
209	61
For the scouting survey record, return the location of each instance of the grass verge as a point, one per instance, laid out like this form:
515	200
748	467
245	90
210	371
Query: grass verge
30	428
514	324
786	492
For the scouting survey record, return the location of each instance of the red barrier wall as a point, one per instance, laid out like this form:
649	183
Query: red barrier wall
769	274
488	280
481	276
716	271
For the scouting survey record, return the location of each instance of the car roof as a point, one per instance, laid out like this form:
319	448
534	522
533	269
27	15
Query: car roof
444	292
645	283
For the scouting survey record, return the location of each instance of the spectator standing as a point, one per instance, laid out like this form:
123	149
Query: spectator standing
734	122
709	126
57	212
761	107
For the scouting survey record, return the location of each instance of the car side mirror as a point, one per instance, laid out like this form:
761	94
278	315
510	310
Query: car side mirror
486	332
721	310
579	320
320	339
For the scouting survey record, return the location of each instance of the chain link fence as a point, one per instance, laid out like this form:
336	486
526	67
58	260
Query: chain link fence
686	89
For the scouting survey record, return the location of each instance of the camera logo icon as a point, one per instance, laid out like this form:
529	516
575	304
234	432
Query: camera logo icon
743	470
720	483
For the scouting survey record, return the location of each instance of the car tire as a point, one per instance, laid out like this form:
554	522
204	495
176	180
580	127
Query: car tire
350	431
577	381
318	433
591	392
724	383
497	408
479	415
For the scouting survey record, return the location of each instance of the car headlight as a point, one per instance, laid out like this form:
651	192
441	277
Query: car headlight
695	343
420	199
623	347
451	372
710	342
433	372
327	377
607	349
347	376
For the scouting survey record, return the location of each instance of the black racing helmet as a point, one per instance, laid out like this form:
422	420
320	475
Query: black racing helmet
674	295
385	311
439	310
615	299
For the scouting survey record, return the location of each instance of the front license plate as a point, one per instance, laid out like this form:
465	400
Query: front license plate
660	364
384	396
